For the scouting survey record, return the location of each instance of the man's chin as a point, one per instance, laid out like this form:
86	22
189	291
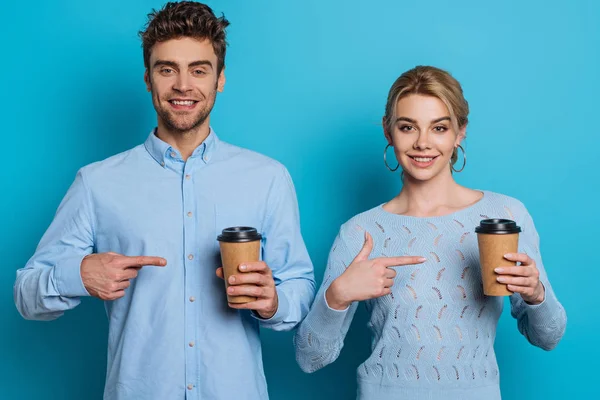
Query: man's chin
178	125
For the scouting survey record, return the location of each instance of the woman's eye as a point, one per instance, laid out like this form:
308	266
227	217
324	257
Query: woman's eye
406	128
440	129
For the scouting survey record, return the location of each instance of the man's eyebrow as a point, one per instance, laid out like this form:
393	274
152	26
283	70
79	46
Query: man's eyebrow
200	63
165	63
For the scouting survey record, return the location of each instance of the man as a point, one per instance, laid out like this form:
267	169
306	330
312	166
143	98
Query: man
139	229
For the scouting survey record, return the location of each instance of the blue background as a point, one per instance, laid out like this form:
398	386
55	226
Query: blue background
306	84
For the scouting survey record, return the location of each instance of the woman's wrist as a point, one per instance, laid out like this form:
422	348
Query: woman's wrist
334	296
538	297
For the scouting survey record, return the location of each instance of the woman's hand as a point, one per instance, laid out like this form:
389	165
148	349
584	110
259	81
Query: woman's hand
523	279
366	279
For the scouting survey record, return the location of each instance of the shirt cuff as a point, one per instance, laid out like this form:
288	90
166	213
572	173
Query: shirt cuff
283	308
326	321
67	277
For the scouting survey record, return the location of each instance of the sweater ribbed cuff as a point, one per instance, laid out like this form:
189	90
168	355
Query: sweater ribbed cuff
544	313
326	321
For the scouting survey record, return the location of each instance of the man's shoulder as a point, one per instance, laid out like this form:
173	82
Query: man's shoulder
250	159
113	164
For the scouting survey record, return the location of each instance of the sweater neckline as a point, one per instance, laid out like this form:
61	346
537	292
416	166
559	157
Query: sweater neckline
452	215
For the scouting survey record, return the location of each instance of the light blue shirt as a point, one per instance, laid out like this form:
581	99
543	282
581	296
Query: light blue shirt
173	336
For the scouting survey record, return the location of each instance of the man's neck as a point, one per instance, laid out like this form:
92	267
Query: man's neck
184	142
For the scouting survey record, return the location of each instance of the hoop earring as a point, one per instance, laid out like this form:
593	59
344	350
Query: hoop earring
464	160
385	159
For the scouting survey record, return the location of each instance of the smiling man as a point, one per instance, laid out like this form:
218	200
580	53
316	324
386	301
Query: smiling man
139	229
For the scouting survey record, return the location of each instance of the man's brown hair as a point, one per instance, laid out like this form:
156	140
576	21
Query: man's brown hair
185	19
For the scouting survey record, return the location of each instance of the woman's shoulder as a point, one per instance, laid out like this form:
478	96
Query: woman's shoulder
362	220
352	232
513	206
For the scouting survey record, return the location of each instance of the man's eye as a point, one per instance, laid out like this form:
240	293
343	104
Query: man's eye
199	72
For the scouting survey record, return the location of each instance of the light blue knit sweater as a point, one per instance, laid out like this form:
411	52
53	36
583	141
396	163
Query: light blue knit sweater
433	337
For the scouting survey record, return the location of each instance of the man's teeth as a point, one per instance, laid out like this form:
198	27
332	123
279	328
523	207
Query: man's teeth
423	159
183	103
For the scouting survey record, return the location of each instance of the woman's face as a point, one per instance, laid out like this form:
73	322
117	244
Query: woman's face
423	137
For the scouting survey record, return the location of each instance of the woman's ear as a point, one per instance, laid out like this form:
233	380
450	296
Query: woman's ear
386	131
462	134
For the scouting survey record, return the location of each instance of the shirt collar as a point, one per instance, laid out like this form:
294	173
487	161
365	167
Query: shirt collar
159	149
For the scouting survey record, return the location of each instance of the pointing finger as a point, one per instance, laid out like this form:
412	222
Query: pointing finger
141	261
400	261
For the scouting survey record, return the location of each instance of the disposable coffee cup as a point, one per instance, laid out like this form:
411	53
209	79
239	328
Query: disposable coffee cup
239	244
496	237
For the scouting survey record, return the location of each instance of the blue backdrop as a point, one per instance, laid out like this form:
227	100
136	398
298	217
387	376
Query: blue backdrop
306	84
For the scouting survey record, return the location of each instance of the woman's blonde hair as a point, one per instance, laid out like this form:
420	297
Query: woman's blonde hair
429	81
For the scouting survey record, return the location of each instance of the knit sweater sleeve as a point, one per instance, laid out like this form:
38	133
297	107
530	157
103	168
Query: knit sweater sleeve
543	324
320	337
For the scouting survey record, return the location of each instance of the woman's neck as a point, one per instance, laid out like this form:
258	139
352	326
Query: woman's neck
438	196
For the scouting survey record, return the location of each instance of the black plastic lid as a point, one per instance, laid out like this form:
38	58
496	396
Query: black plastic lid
497	227
239	234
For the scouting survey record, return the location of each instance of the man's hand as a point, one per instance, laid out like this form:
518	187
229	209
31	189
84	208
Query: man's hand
256	280
107	275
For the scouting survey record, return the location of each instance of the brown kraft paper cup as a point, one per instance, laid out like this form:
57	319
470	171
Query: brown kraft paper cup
238	245
496	237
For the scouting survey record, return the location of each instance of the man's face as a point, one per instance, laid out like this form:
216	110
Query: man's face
182	76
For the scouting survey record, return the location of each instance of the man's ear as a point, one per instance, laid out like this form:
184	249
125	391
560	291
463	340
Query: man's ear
147	80
221	81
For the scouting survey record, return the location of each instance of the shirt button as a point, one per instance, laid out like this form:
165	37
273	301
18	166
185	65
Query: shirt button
189	214
205	158
192	299
162	163
191	257
173	154
191	344
187	177
190	386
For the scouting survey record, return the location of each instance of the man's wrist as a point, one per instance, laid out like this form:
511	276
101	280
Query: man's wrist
270	313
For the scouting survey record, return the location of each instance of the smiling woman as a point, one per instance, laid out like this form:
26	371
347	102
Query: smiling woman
441	96
422	311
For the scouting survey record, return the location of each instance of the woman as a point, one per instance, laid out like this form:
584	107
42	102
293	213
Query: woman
433	328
